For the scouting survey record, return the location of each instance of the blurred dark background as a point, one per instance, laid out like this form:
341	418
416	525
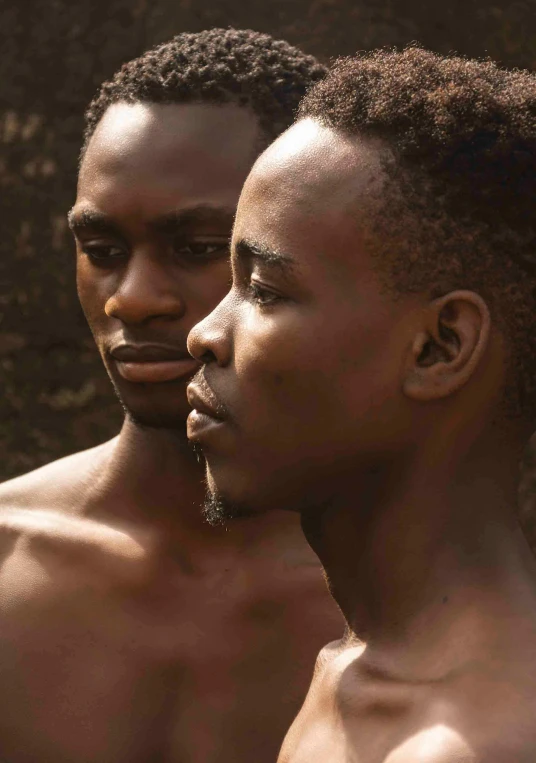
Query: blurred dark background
55	398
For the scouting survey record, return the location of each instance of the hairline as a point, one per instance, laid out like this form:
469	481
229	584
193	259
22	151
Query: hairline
264	139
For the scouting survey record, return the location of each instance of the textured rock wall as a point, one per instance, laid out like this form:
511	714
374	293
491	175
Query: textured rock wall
55	398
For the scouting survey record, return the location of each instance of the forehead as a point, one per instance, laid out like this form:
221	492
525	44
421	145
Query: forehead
199	151
310	192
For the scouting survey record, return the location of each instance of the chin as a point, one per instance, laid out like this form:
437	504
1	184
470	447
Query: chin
221	506
156	420
217	510
163	408
235	491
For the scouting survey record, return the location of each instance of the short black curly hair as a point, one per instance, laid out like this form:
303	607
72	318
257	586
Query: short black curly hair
460	161
238	66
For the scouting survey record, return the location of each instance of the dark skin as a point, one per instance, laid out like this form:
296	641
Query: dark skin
384	416
131	630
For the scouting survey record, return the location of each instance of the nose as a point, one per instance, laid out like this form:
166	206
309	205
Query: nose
145	292
210	340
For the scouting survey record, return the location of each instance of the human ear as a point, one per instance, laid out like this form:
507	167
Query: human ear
447	350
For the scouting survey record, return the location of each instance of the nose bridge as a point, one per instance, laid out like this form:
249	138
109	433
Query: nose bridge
145	290
212	338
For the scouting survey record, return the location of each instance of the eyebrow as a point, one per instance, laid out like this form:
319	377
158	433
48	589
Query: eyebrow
170	223
86	218
251	250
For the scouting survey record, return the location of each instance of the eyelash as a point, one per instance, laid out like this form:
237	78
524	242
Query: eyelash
100	254
256	291
93	253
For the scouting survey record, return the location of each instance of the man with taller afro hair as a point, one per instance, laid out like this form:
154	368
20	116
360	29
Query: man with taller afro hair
132	631
373	368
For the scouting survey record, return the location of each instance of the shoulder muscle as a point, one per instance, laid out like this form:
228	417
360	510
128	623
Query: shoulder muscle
438	744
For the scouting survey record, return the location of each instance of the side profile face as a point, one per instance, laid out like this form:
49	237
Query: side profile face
157	194
302	386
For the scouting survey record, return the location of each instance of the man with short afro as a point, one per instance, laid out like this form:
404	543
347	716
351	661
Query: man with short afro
240	66
132	631
376	362
462	134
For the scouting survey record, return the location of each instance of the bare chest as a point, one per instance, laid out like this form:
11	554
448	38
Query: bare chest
102	675
345	720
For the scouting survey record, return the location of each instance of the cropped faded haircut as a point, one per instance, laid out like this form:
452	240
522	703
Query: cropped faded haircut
218	66
457	208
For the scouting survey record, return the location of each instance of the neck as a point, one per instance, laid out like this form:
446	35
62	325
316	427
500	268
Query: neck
147	473
152	479
428	549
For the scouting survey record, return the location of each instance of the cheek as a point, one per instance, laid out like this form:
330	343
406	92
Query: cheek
281	367
317	383
93	290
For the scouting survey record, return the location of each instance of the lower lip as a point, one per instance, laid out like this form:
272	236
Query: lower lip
200	424
152	373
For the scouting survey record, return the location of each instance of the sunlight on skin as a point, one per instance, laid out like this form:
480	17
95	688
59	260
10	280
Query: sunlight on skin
439	744
47	538
87	532
293	142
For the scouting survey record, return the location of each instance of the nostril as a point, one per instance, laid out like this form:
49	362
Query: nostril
208	357
210	341
110	308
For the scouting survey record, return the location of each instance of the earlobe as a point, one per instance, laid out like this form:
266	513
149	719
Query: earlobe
449	346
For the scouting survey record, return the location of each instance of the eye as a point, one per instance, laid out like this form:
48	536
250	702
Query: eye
202	251
262	295
103	254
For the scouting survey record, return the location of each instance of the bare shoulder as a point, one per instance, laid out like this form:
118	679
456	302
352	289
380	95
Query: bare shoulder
48	548
56	486
437	744
46	556
334	658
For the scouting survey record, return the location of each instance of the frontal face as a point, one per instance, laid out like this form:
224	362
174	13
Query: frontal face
304	357
157	193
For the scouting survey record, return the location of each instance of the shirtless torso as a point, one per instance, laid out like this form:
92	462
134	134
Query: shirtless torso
131	631
378	409
120	643
355	714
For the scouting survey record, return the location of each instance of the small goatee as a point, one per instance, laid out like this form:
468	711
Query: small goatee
218	512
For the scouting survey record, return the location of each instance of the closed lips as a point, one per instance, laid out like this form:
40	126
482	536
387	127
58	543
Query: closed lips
201	404
208	418
152	363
